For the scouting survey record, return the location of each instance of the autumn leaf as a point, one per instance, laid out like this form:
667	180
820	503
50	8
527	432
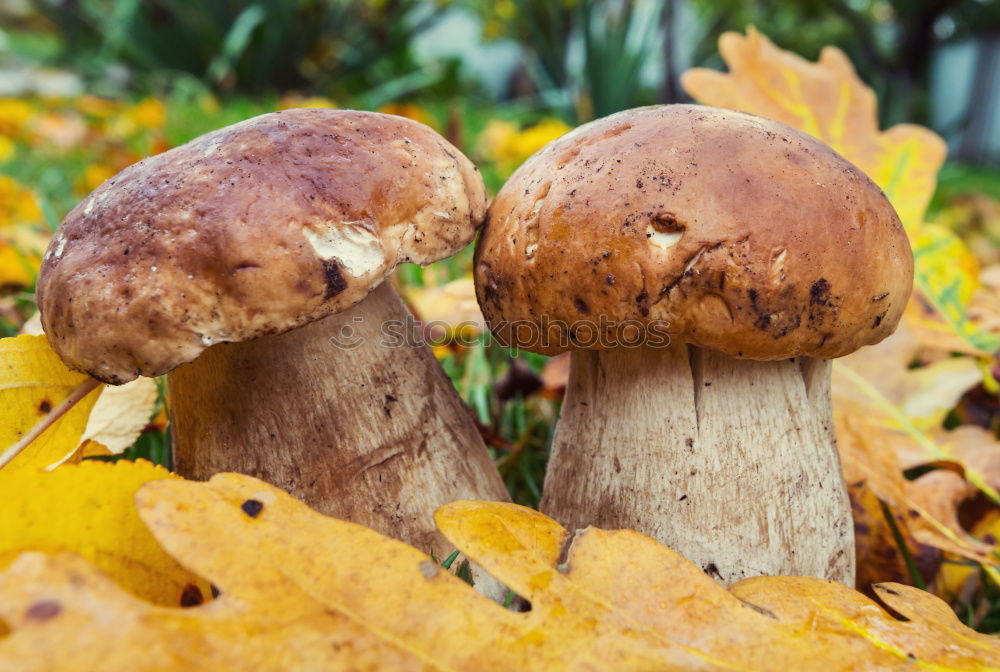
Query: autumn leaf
866	398
827	100
928	505
959	578
924	394
120	414
88	509
878	552
301	591
451	307
33	382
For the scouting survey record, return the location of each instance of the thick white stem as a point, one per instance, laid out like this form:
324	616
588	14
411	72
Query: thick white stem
730	462
375	434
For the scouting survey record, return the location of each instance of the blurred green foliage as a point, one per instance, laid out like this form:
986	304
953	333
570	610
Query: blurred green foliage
243	45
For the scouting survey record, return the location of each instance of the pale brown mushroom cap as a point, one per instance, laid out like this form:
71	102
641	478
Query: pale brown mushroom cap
727	231
253	229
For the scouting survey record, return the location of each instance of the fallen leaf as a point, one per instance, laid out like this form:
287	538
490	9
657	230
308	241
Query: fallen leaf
924	394
976	449
863	396
88	509
555	375
947	275
958	578
449	311
33	381
301	591
879	558
121	413
868	458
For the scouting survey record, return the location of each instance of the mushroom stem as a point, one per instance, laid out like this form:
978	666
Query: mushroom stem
730	462
375	434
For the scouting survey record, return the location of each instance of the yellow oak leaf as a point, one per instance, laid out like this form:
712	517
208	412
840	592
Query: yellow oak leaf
301	591
88	508
33	382
827	100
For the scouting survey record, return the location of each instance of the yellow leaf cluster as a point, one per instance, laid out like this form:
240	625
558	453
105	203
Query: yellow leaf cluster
301	591
510	145
88	509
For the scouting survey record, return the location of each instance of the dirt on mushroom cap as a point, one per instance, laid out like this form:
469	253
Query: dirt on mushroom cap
725	230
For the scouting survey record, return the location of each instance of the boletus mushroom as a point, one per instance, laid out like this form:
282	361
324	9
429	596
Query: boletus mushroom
702	266
252	264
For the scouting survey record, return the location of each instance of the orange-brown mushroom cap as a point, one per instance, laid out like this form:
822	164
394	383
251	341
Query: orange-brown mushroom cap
253	229
721	229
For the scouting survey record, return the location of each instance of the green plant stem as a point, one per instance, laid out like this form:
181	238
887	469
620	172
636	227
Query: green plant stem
449	560
911	565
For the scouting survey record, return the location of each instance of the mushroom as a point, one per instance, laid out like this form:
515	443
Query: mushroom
251	264
702	266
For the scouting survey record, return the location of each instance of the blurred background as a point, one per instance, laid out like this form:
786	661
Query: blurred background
89	86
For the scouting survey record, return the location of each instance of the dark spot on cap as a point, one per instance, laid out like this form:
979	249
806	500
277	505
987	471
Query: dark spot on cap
252	507
643	300
215	591
878	320
581	305
43	610
682	498
45	406
191	596
335	282
610	278
819	292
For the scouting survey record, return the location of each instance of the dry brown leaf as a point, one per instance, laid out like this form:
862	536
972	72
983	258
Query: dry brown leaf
879	558
301	591
869	458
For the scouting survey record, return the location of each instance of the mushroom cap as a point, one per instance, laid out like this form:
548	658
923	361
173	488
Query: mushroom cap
253	229
718	228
